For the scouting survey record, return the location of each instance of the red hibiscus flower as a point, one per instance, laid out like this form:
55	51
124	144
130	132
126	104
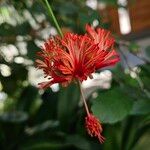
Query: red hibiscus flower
76	57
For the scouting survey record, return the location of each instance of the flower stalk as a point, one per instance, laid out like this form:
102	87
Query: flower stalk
51	14
83	98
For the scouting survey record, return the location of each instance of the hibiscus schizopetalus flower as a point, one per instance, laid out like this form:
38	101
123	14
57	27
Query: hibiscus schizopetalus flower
74	58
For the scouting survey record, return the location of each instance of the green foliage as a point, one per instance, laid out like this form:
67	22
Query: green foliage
33	119
67	105
112	106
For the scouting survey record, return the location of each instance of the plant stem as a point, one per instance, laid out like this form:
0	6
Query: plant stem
51	14
83	98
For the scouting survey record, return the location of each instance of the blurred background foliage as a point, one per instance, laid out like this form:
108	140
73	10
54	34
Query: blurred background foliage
33	119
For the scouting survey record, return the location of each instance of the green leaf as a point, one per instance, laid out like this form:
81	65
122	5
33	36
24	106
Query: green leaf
141	107
112	105
67	104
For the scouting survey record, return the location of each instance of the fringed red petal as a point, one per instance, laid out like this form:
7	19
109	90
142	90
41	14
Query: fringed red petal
76	56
